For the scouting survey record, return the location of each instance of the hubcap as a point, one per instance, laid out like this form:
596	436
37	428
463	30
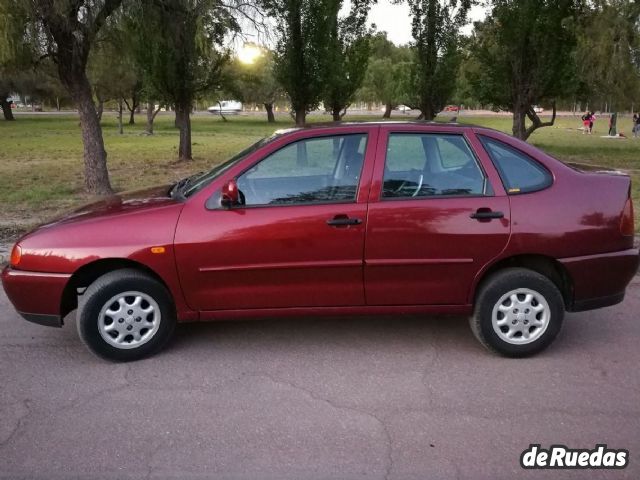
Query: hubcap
129	320
521	316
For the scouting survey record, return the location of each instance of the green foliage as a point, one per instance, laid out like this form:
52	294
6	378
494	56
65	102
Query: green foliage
525	50
608	54
346	59
387	68
303	28
17	57
179	46
112	68
435	25
254	82
469	69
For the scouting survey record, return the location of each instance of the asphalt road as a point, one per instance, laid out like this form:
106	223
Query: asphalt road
366	398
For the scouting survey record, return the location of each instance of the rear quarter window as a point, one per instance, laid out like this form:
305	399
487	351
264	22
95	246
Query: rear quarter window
519	172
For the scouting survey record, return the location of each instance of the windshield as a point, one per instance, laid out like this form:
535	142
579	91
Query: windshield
194	184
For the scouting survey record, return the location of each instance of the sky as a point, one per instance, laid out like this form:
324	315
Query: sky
393	19
396	21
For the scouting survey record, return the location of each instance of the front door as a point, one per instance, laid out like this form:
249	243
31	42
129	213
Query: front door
434	221
296	241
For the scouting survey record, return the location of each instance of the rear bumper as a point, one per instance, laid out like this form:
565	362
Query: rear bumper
600	280
35	295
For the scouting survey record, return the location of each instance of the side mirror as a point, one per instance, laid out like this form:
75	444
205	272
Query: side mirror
230	195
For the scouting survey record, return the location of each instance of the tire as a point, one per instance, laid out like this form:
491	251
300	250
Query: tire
125	315
532	319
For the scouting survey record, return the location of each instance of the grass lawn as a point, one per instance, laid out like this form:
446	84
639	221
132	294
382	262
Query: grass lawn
41	156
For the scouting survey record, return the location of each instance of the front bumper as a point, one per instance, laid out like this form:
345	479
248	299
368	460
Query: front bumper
600	280
36	296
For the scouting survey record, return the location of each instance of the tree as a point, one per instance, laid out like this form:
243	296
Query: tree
14	54
608	53
345	62
303	28
65	30
383	78
526	52
111	68
179	52
434	27
255	82
465	93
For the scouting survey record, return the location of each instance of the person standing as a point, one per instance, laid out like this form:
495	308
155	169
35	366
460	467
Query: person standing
592	119
636	125
585	122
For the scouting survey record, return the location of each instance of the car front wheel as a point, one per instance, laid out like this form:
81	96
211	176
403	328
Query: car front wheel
518	313
125	315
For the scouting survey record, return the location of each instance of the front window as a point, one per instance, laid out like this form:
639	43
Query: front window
322	169
431	165
199	181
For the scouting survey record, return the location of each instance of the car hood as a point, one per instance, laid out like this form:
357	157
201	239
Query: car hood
122	203
119	226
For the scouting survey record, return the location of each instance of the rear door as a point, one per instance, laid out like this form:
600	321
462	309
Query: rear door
437	214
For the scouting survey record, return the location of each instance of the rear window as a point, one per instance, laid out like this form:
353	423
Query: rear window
519	172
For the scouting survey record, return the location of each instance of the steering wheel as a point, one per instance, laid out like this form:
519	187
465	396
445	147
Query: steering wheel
408	184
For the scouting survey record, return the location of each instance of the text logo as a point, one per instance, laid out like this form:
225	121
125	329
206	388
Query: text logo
562	457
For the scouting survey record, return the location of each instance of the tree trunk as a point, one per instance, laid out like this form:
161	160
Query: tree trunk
427	113
6	107
519	128
271	118
388	108
224	119
301	117
151	116
523	110
183	120
120	111
96	175
301	154
132	108
100	109
335	112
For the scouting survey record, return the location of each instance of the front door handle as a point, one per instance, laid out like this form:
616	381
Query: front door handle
486	214
343	221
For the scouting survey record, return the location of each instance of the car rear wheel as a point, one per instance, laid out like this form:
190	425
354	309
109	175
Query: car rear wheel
518	313
125	315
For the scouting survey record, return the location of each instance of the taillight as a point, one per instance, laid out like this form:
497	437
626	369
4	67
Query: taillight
16	255
627	226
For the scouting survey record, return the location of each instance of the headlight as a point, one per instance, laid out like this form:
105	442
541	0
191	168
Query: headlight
16	255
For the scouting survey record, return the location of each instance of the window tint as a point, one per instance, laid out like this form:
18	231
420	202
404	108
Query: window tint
424	165
321	169
519	172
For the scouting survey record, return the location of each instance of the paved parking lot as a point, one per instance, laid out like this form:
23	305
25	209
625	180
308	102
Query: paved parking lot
394	398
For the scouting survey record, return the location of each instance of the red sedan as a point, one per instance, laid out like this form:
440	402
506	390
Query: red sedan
373	218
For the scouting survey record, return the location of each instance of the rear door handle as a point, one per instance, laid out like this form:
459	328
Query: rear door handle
486	214
343	221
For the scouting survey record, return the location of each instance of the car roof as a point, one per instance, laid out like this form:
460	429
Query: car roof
332	125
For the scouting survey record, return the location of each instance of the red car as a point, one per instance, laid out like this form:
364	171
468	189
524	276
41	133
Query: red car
373	218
